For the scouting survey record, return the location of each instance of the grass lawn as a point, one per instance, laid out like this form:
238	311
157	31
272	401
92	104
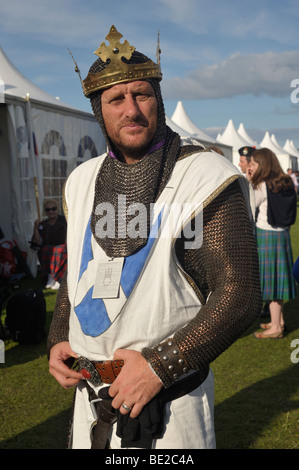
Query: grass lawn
34	409
257	385
256	390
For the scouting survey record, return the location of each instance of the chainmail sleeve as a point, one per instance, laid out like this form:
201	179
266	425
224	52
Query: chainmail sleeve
226	273
59	328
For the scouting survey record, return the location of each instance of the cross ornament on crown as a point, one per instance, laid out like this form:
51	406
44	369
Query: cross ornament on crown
115	50
118	71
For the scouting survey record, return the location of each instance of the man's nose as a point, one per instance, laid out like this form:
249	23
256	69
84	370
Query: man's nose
132	108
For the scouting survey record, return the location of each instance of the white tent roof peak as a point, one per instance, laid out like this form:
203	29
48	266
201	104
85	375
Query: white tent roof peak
294	148
231	137
282	155
181	118
274	140
243	133
268	142
290	148
18	86
176	128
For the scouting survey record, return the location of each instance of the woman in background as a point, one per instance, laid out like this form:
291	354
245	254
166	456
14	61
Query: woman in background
273	241
50	235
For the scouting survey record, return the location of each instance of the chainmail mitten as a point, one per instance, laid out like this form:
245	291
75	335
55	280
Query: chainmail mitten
59	328
226	273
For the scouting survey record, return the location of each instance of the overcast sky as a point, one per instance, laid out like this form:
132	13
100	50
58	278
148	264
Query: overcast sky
223	59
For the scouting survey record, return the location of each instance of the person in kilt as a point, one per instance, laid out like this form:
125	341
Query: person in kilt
50	236
273	241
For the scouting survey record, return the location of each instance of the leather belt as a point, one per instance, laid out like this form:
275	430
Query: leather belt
99	372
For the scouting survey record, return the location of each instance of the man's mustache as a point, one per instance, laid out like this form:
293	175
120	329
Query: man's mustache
140	121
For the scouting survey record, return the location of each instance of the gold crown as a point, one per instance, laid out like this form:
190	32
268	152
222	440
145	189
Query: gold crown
118	71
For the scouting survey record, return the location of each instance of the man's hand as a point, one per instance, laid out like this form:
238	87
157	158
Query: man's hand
136	384
65	376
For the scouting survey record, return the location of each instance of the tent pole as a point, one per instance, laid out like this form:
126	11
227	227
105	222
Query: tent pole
36	196
31	152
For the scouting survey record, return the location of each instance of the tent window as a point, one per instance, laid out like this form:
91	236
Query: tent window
53	138
54	168
86	149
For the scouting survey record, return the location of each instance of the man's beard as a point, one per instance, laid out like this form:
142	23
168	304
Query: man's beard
132	149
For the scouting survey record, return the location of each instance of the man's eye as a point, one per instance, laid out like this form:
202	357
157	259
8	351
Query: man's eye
115	100
141	97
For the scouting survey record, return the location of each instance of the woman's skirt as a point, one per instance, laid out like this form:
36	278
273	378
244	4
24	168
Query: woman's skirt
276	264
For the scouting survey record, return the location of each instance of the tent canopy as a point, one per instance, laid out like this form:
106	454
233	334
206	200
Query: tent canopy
18	86
243	133
279	148
289	147
42	139
182	132
231	137
181	123
294	148
269	143
283	157
181	118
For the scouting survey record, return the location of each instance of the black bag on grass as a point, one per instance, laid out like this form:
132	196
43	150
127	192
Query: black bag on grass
26	316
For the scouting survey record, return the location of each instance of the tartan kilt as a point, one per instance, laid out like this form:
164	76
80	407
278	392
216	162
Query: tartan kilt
276	264
53	260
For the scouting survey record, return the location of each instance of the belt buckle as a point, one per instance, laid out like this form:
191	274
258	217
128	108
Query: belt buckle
86	364
93	408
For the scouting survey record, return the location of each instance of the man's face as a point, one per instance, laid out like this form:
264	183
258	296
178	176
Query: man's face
243	164
130	113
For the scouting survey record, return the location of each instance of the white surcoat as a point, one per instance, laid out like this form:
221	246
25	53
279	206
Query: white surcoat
155	297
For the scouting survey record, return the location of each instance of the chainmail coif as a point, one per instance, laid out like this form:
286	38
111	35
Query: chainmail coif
141	182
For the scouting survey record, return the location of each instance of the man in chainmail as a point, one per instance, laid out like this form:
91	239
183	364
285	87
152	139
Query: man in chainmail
146	311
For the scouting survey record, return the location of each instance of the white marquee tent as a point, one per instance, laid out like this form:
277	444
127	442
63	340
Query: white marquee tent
290	148
185	135
294	148
292	153
230	136
176	128
274	140
243	133
284	158
181	119
41	141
